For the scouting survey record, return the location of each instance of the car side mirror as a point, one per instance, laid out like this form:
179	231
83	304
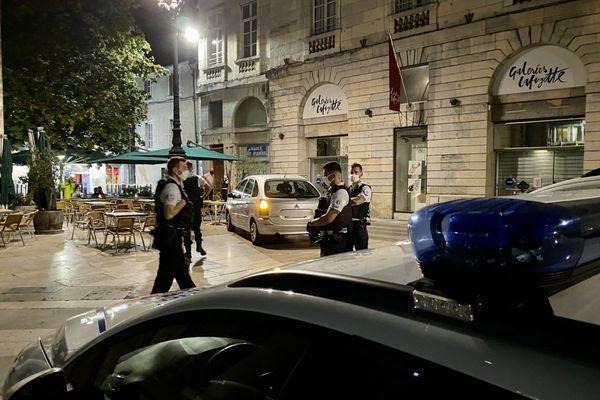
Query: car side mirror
233	195
48	384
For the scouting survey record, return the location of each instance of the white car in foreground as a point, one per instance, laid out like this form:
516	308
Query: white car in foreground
491	318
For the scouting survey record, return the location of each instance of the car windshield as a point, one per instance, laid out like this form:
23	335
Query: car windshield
290	189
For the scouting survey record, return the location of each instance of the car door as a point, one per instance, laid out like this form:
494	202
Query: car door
235	203
247	204
228	354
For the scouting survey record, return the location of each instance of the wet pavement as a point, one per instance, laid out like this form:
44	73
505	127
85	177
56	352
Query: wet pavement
53	277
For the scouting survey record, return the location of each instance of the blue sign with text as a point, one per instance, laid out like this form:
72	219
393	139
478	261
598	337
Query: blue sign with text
257	150
510	181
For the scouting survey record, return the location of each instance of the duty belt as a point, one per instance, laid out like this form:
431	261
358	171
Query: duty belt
343	230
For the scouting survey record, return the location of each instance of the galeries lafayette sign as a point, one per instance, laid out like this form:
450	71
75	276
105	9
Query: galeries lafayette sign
326	100
542	68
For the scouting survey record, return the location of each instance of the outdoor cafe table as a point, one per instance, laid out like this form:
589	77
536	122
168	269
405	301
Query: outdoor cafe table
218	206
98	203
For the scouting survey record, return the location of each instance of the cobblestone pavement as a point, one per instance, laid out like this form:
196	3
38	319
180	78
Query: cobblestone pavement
53	277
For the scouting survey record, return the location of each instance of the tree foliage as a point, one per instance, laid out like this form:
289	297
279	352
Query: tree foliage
72	66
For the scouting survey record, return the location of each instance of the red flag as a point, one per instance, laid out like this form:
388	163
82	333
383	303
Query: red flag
395	78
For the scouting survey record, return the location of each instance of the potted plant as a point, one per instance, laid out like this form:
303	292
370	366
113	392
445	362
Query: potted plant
43	191
21	203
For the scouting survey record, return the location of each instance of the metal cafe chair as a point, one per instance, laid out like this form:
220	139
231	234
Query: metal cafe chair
145	227
26	224
124	227
11	225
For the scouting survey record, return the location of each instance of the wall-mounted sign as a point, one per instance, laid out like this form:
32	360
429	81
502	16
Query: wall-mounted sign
325	101
415	167
541	68
257	150
414	185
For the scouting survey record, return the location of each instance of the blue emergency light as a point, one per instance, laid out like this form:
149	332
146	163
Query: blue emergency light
506	238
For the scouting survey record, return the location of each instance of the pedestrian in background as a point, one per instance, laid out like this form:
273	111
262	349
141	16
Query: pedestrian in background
173	217
337	220
360	199
210	178
195	187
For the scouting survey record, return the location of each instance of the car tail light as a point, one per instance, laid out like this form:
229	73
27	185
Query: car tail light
263	208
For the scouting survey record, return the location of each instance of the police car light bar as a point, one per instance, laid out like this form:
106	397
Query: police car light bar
507	240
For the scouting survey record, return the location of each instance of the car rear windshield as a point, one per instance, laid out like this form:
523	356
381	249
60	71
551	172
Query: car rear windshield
290	189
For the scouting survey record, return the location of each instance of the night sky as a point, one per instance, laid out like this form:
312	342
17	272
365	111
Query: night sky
156	25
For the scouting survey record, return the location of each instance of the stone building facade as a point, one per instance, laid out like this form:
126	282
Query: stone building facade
497	95
156	131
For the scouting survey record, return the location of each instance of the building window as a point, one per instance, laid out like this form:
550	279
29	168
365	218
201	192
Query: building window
415	84
404	5
215	114
249	23
215	45
148	88
149	136
324	12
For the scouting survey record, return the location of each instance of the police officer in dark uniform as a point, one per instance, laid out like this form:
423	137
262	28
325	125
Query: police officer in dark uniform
173	217
194	187
337	220
360	198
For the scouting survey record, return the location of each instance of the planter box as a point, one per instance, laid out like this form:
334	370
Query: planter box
49	222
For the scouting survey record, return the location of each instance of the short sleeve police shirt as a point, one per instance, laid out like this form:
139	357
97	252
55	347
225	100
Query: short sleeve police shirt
366	193
339	200
170	195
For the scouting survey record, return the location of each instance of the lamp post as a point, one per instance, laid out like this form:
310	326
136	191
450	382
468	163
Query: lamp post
176	150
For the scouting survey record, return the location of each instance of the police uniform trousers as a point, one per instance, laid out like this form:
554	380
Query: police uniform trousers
196	222
358	236
172	265
333	243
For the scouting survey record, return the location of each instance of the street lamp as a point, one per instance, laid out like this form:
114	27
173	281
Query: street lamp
176	150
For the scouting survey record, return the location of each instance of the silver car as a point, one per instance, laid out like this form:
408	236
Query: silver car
266	205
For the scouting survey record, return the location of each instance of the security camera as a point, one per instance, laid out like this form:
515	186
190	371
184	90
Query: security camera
454	102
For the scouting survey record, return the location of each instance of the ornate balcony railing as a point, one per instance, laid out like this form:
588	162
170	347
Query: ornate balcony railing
246	65
322	43
412	21
214	72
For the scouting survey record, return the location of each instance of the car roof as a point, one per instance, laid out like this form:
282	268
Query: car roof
276	176
563	185
393	264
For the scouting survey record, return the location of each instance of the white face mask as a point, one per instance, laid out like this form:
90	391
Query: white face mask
184	175
354	178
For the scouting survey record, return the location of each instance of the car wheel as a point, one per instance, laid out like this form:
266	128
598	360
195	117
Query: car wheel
255	236
230	227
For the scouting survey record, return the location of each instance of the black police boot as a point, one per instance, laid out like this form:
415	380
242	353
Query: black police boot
199	249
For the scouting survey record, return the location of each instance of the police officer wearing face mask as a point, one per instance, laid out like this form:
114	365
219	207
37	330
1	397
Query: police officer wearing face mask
337	220
173	217
360	198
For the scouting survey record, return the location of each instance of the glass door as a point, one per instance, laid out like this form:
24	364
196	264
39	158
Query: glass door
410	172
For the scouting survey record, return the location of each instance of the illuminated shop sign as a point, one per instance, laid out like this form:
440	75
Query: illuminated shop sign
541	68
325	101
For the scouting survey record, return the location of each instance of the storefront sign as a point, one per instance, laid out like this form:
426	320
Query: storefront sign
325	101
542	68
257	150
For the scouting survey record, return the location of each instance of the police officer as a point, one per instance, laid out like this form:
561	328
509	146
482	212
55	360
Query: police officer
360	198
195	187
337	220
173	216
